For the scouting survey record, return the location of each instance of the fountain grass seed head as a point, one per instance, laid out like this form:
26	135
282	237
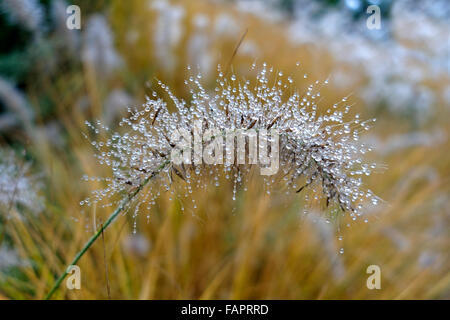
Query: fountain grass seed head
319	155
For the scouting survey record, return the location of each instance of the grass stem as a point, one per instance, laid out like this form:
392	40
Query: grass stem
111	218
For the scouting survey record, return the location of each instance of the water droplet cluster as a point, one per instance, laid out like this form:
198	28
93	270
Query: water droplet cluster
320	155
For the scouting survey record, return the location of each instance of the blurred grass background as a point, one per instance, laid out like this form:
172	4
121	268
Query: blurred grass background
254	248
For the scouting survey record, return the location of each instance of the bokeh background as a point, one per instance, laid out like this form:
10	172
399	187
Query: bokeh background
53	79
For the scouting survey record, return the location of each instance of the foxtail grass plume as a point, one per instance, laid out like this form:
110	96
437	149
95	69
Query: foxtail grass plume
98	47
18	187
320	155
15	102
27	13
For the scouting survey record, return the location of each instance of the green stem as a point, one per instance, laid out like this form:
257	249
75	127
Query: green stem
111	218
